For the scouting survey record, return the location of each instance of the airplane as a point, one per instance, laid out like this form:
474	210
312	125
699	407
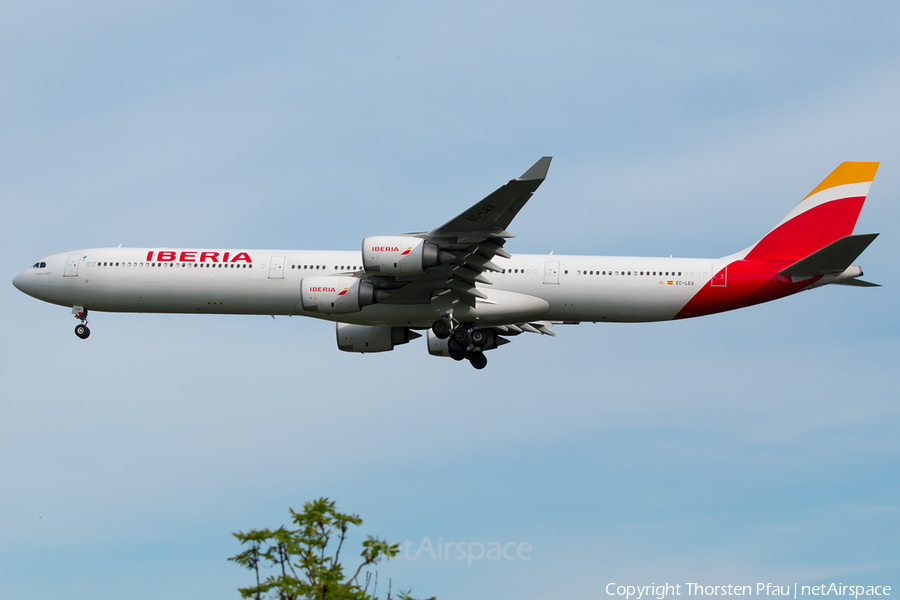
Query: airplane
459	284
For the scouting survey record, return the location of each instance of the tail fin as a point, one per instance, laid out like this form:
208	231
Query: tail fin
826	215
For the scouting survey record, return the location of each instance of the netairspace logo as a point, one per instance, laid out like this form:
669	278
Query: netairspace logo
639	592
467	551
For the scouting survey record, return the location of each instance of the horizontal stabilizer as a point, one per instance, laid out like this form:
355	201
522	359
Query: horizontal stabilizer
858	283
833	259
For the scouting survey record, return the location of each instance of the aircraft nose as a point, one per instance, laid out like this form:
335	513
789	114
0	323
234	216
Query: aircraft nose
19	281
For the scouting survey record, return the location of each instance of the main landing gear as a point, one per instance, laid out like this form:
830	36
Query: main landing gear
465	342
81	330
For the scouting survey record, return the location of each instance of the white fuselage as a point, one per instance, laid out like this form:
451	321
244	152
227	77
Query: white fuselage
268	282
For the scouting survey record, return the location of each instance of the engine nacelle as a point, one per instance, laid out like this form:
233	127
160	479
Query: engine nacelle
398	255
335	295
436	345
372	338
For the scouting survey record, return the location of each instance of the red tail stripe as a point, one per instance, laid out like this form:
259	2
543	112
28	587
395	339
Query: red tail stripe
809	231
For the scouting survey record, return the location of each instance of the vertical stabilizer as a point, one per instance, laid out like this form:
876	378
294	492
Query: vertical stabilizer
828	213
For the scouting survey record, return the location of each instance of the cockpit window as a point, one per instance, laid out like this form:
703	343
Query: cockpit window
39	265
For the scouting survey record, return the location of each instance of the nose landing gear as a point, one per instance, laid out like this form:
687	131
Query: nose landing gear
81	314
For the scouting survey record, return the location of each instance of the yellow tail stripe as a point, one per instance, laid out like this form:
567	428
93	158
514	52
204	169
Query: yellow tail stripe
848	172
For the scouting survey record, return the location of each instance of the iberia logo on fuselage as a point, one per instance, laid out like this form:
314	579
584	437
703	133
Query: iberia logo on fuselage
407	251
344	291
191	256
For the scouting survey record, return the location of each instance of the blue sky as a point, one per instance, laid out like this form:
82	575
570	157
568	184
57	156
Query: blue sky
758	445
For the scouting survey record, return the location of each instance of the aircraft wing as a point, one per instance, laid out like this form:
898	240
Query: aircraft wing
472	239
490	217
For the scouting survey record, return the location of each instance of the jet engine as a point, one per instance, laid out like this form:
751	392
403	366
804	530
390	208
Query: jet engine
399	255
372	338
336	295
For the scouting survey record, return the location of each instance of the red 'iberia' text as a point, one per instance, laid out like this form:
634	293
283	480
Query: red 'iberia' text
191	256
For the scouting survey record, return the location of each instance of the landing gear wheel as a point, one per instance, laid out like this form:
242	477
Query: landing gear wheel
82	331
462	336
478	360
482	337
441	329
456	353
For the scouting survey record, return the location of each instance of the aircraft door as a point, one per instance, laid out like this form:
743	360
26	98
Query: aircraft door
719	275
72	265
551	272
276	267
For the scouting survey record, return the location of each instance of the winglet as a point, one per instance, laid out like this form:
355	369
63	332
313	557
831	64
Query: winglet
538	170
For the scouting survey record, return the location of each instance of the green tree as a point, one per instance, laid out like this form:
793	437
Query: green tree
304	563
